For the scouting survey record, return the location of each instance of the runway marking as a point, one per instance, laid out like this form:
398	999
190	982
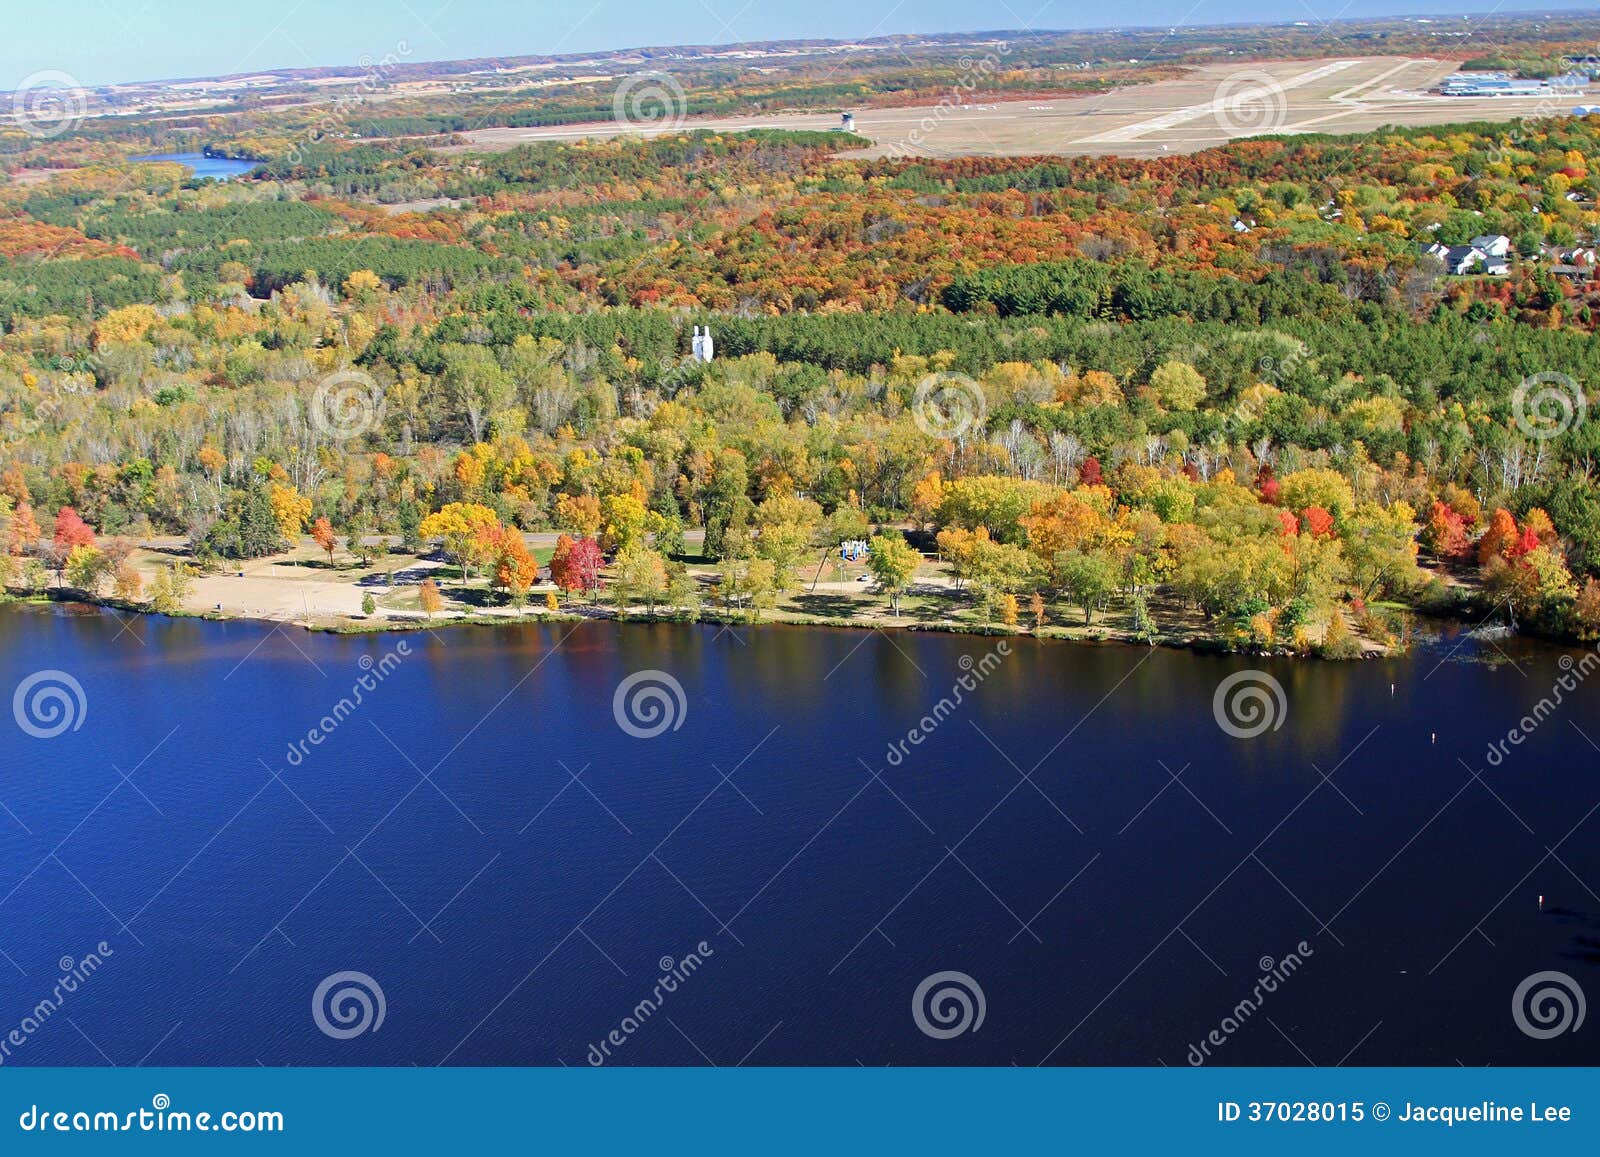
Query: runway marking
1213	106
1345	97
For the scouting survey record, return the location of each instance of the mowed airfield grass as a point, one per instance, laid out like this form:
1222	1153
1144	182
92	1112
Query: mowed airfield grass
1214	104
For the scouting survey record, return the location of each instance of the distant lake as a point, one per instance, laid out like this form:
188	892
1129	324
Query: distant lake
517	872
221	168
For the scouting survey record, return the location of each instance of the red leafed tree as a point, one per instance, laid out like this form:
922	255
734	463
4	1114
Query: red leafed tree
1290	524
1446	533
1090	474
1528	541
1537	521
1271	488
585	562
575	565
71	531
1318	522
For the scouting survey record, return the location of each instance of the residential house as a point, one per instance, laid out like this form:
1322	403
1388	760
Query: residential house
1463	259
1493	244
1574	272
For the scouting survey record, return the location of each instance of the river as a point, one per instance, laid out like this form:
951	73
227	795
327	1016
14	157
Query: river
663	844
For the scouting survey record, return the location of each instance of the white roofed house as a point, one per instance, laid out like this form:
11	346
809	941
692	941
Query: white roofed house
1463	259
1493	244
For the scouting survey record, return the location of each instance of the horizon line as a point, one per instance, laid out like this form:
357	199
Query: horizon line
1497	13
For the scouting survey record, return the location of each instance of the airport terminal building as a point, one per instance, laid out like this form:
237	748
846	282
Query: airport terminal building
1505	84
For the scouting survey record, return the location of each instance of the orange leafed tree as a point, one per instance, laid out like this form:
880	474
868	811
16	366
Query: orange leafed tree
430	598
1500	539
25	532
515	568
322	532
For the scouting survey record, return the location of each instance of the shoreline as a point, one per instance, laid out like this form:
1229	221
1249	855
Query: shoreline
298	587
1418	641
350	626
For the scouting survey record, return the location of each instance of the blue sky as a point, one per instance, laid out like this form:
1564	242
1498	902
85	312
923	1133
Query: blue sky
101	41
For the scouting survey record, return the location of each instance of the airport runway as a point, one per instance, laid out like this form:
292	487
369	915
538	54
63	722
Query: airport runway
1214	104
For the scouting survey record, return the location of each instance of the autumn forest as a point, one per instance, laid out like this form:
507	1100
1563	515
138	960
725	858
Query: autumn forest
1226	397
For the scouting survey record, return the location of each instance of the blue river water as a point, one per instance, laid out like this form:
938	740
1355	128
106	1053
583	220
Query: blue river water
220	168
769	840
